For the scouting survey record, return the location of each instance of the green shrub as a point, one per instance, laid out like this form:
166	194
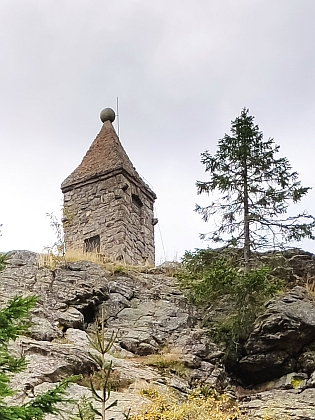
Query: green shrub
210	275
4	260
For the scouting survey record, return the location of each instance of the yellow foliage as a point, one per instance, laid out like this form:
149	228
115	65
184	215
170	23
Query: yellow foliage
196	407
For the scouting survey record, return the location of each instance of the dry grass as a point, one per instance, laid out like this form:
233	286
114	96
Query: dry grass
166	363
51	260
61	340
115	381
197	406
310	284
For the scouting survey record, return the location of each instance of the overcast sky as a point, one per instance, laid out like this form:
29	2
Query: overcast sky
182	71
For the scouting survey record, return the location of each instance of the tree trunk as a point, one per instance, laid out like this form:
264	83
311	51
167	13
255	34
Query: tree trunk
246	223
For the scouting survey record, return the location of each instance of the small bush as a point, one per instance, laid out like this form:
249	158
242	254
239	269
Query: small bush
196	407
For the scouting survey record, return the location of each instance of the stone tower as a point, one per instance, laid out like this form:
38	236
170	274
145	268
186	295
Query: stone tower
108	208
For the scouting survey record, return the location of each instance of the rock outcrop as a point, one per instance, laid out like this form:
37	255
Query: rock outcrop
281	404
148	312
153	319
283	339
280	359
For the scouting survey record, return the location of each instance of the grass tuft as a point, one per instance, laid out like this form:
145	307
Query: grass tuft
51	260
115	381
167	363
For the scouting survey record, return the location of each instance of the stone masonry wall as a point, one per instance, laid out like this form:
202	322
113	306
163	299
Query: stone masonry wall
118	211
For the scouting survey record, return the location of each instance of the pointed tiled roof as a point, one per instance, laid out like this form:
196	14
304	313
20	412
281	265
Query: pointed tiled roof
105	155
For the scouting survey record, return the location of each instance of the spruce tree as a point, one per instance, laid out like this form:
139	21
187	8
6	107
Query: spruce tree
14	320
255	190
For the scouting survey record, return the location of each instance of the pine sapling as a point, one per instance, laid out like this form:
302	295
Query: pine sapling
102	347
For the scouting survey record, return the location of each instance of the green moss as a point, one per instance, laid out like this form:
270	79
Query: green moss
119	269
296	381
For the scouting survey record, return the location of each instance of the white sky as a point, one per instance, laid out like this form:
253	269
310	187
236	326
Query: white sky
182	71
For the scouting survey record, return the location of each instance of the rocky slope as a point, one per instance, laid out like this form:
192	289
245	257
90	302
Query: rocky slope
151	316
147	311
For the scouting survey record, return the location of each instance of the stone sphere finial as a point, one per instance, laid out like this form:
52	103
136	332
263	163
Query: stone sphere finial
108	114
